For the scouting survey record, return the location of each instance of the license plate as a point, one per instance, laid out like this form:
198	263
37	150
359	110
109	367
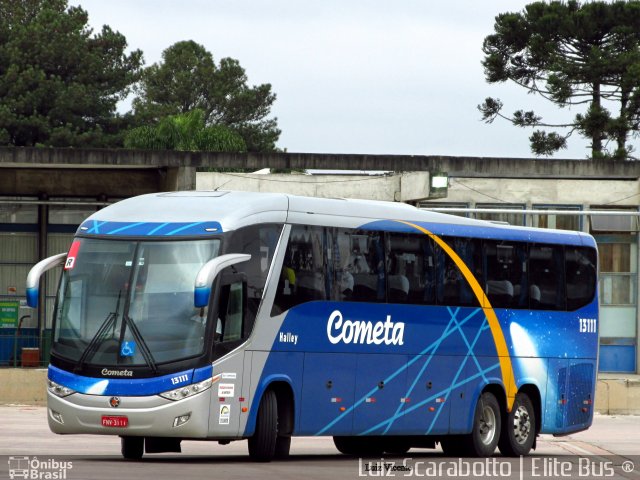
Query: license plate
110	421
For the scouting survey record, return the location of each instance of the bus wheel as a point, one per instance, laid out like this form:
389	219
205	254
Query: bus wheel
486	427
283	445
132	448
262	445
519	429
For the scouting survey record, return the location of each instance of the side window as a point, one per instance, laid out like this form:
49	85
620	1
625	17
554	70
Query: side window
546	277
302	278
260	242
340	261
410	269
580	271
231	313
451	285
367	265
506	283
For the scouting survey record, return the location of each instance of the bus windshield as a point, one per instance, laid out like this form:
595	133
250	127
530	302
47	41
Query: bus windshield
124	303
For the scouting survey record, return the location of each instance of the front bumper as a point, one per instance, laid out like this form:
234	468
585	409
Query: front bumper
149	416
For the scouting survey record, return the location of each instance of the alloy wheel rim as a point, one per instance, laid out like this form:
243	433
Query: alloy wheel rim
521	425
487	425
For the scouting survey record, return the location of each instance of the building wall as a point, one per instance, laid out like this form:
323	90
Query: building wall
532	191
406	187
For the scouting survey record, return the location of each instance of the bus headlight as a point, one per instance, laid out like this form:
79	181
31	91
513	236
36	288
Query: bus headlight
187	391
59	390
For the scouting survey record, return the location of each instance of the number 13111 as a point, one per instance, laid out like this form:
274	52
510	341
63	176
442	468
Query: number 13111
587	325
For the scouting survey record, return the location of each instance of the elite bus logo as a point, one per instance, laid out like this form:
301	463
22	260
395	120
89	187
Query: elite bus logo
364	332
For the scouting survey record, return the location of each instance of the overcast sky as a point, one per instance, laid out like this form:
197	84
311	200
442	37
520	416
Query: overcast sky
352	76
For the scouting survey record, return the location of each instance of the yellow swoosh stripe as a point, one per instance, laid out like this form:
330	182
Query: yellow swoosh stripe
506	367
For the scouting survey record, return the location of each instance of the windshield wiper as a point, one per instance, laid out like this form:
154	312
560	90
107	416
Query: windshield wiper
107	323
144	348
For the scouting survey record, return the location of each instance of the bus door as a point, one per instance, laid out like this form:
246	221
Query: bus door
230	316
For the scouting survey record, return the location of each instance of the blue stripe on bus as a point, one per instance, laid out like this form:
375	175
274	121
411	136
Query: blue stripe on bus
485	232
127	386
141	229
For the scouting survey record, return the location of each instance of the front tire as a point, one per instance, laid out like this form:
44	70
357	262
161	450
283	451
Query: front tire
132	448
283	446
485	435
262	445
519	429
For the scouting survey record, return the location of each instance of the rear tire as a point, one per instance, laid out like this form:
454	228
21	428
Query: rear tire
483	439
132	448
262	445
519	429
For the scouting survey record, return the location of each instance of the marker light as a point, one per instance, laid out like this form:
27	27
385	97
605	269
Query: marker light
188	391
181	420
59	390
57	416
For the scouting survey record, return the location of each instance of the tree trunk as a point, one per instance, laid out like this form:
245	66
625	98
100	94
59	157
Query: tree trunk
596	139
621	134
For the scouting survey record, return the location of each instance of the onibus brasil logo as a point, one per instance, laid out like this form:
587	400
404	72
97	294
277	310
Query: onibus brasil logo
35	469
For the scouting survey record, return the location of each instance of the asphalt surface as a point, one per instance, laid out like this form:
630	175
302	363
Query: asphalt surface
610	449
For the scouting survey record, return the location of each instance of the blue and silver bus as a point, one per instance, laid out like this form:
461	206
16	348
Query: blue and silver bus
228	316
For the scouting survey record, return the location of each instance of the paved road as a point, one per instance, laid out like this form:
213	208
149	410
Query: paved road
24	433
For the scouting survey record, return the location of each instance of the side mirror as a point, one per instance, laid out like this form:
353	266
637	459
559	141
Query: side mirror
209	271
33	279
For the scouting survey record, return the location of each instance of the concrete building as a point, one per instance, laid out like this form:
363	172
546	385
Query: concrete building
45	193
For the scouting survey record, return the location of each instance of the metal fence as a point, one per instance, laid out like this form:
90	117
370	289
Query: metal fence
24	349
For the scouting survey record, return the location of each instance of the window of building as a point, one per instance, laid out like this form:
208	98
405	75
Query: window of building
555	220
618	253
18	253
18	213
614	223
617	279
428	205
510	218
70	214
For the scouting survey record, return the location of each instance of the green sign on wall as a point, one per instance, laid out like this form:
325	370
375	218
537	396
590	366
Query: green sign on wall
9	314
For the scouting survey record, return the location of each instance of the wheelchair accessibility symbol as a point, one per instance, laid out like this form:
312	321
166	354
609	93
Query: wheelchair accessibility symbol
128	349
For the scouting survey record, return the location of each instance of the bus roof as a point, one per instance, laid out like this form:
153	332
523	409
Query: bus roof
196	213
